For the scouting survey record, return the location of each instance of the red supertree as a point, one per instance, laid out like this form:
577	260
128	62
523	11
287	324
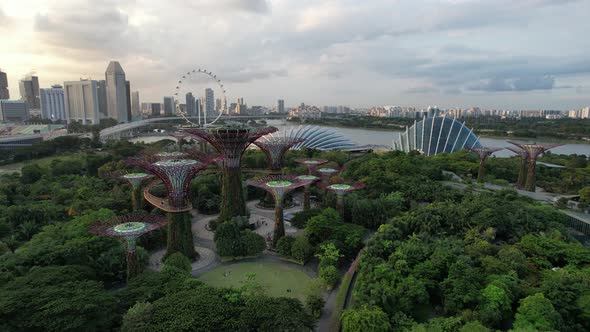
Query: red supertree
275	147
311	164
524	158
342	188
483	153
176	175
128	228
135	180
533	151
278	186
231	141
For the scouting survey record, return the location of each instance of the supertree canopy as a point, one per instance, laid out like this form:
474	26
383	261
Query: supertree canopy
524	158
136	179
311	163
176	175
231	141
309	179
325	174
483	153
533	151
179	136
342	188
170	155
275	147
278	186
128	228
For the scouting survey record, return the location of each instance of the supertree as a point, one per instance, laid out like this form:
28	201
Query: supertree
136	180
311	164
483	153
533	151
179	136
176	175
524	158
325	174
170	155
342	188
275	147
278	186
128	228
231	141
310	179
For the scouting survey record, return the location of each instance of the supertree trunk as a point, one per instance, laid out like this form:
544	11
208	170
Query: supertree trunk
340	203
132	264
136	199
279	230
481	171
530	184
180	235
306	198
232	195
521	173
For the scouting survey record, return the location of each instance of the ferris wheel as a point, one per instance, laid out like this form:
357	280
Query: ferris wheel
185	84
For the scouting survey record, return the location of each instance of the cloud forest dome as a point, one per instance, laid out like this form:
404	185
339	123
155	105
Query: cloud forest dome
316	137
435	135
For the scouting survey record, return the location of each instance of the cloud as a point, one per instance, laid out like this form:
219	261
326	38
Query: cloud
422	89
516	84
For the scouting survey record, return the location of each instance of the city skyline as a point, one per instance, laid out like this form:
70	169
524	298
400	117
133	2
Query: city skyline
458	53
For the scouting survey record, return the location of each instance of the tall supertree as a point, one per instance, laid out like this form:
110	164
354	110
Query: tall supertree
310	179
483	153
136	180
231	141
128	228
278	186
342	188
170	155
179	136
275	147
311	164
533	151
176	175
524	158
325	174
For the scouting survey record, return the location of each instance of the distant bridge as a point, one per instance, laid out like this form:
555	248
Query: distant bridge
119	130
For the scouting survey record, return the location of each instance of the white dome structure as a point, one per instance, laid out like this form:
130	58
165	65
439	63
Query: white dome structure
315	137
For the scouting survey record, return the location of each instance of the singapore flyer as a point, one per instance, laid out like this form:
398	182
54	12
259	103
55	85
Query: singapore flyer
200	110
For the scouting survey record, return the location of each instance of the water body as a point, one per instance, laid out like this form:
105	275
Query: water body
381	137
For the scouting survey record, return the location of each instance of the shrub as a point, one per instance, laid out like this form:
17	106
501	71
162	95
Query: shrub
178	261
137	317
329	273
252	243
284	245
300	219
301	249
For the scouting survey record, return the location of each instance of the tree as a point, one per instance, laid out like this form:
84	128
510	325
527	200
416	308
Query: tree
137	317
495	305
365	319
31	173
329	254
177	263
253	243
301	249
284	245
314	297
474	326
329	273
585	194
537	313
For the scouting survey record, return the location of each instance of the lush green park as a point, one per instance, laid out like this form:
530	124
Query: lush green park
276	279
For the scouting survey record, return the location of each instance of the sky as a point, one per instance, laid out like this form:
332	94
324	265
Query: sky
503	54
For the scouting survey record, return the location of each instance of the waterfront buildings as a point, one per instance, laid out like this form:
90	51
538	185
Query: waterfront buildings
81	102
168	106
156	109
209	100
14	110
53	104
116	92
281	106
191	105
4	94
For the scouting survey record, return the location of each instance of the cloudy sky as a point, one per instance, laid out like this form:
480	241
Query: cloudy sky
451	53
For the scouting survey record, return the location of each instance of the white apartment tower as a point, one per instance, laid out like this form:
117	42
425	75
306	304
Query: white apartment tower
81	102
53	104
116	92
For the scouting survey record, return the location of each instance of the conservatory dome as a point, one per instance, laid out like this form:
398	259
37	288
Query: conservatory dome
316	137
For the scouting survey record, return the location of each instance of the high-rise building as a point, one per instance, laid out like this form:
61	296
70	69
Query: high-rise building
81	101
117	105
241	108
128	97
135	109
14	110
281	106
102	98
169	106
156	109
191	105
4	94
29	91
52	103
218	105
209	100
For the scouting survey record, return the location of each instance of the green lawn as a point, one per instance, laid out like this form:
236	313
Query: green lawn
275	278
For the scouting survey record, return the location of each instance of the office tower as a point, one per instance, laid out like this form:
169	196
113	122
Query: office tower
116	92
169	106
232	108
241	108
81	101
29	91
52	103
14	111
156	109
191	105
199	106
218	105
135	110
281	106
209	101
102	98
4	94
128	97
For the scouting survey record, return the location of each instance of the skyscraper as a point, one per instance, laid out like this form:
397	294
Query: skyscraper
52	103
191	105
218	105
116	92
135	111
241	108
281	106
209	101
4	94
29	91
169	106
128	97
156	109
81	101
14	111
102	98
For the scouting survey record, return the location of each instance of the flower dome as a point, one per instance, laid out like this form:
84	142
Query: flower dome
316	137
